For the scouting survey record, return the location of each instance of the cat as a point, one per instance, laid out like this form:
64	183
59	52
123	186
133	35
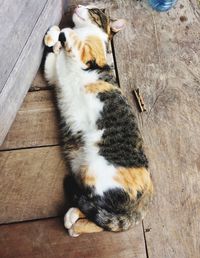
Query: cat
113	187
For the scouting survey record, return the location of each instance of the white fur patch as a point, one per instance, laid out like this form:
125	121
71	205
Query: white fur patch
50	68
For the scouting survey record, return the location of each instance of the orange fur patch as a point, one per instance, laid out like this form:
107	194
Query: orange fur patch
80	214
93	50
85	226
79	45
99	86
134	180
86	176
48	40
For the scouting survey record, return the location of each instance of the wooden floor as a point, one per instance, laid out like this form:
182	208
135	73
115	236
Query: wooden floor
159	54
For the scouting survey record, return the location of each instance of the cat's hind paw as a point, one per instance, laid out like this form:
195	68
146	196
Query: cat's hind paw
71	217
83	226
51	37
72	233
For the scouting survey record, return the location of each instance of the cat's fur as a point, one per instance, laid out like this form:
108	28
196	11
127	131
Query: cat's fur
101	138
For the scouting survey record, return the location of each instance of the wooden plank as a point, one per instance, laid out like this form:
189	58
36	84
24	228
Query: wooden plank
159	53
36	123
48	238
26	65
31	184
13	32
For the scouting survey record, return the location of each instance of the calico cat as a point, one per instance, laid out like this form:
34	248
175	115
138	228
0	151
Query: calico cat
113	187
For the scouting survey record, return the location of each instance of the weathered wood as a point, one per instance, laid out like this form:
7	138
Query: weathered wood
36	123
48	238
13	32
19	78
159	53
31	184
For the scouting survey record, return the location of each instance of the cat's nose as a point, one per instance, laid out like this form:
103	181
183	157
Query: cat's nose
62	38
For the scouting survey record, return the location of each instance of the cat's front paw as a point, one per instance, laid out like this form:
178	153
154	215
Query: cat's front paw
57	47
71	217
51	37
68	37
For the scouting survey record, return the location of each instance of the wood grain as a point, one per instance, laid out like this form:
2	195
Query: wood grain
18	82
31	184
36	123
159	54
48	238
13	32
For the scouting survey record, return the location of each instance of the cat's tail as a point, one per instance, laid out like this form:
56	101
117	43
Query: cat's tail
131	214
116	211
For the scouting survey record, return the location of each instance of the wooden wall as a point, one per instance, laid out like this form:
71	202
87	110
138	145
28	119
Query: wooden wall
22	27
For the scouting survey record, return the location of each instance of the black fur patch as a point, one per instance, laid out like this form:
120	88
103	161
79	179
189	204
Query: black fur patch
105	73
92	65
121	142
108	76
139	194
71	142
62	38
103	22
47	50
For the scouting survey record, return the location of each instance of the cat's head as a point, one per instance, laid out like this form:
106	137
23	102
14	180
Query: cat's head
87	15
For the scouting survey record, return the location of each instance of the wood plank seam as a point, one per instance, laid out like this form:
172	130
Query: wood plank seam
115	63
27	148
145	240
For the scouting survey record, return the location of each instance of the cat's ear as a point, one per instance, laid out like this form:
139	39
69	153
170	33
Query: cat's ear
117	25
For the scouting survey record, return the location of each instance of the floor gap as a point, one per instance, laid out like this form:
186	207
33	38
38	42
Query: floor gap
31	147
115	63
145	240
29	220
